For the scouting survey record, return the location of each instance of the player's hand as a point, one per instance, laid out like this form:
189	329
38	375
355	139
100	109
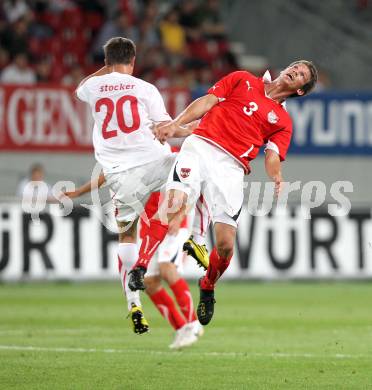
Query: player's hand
193	125
164	131
156	126
278	185
70	194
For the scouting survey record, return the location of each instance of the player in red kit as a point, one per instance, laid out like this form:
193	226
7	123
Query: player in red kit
240	114
166	265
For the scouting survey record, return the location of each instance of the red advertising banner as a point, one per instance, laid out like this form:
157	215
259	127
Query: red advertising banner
50	118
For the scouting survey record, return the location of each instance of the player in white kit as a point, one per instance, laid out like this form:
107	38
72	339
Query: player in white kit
134	163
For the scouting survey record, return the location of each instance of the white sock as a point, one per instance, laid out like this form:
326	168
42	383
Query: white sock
200	240
201	221
128	255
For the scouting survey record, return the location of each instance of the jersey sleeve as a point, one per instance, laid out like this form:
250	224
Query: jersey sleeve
82	92
224	87
280	141
157	110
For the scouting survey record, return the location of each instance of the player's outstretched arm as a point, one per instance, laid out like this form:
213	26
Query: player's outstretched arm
192	112
196	109
181	131
273	168
87	187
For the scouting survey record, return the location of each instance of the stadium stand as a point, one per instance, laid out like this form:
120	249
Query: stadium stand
60	37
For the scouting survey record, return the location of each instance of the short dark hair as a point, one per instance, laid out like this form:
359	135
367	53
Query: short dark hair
36	167
313	77
119	50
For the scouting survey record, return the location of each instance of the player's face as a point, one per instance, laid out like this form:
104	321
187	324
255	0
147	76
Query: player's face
295	77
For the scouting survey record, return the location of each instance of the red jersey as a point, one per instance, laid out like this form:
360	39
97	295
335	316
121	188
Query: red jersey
245	119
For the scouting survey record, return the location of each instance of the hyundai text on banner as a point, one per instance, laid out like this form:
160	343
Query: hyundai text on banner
332	123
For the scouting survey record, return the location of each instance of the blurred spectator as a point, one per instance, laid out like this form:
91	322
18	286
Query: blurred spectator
149	12
31	184
15	37
211	20
4	58
43	71
60	5
172	33
147	35
91	5
119	27
152	61
15	9
190	18
204	81
18	71
172	49
74	76
201	50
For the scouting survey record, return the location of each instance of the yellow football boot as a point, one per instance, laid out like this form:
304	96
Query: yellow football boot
139	322
198	252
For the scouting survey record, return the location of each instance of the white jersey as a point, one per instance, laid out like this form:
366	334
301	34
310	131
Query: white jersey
124	109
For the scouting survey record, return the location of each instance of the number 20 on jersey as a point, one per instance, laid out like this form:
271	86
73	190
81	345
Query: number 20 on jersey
118	109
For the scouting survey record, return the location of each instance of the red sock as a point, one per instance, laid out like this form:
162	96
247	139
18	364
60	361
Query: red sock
184	299
120	264
165	304
155	235
217	266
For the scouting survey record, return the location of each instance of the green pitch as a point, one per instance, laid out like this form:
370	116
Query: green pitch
263	336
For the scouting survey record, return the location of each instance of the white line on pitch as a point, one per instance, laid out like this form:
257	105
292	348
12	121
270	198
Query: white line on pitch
152	352
45	331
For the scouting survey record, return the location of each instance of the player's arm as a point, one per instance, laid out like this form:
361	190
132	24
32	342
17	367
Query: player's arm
273	168
182	131
87	187
275	152
100	72
192	112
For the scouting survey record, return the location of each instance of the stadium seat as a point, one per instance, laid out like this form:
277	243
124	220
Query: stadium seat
93	20
72	18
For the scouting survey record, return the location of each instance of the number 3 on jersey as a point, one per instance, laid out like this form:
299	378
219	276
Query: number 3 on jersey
119	110
250	110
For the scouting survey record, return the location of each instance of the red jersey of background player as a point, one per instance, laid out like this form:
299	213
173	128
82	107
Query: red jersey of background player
152	206
245	119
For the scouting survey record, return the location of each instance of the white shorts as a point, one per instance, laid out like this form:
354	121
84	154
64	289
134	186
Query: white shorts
169	251
132	188
202	168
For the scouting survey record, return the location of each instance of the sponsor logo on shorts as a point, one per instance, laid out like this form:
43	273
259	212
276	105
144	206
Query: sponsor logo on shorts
185	172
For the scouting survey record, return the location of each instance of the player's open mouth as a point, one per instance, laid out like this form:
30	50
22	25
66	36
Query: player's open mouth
289	76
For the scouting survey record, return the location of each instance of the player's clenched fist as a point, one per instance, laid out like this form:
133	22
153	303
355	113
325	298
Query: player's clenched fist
163	131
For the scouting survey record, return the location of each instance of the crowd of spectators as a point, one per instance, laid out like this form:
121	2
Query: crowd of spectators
179	44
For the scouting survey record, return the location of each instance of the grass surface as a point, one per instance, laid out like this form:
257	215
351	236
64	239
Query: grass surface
263	336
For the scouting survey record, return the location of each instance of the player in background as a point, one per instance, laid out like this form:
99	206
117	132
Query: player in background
134	163
239	114
165	266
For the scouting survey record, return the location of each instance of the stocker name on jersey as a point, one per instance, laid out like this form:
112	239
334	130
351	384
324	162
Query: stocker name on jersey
116	87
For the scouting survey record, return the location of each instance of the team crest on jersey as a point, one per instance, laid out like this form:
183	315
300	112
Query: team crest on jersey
272	117
185	172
